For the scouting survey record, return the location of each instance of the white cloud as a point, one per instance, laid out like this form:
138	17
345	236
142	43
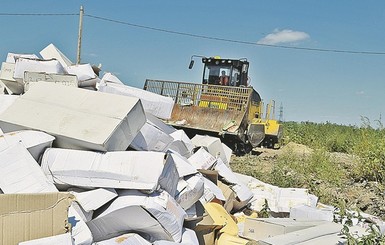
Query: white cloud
92	55
284	36
360	92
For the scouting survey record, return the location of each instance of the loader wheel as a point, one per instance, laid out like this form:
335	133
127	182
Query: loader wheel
242	149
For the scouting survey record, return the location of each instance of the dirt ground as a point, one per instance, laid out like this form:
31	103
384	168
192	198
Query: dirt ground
362	196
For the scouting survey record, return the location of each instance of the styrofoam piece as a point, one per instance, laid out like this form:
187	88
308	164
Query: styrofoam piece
93	199
63	79
321	234
304	212
79	229
189	238
78	118
6	101
201	159
213	145
190	190
63	239
52	52
108	77
20	173
126	239
35	141
156	216
153	120
183	166
12	57
49	66
278	199
150	138
145	171
158	105
82	71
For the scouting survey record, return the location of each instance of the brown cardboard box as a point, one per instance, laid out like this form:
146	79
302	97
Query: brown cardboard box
25	217
204	228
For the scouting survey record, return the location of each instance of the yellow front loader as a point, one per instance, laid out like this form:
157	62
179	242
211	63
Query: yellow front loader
223	105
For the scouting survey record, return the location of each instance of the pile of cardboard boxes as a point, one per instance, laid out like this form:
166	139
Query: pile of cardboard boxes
89	160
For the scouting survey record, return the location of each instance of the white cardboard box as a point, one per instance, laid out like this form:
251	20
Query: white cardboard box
51	52
150	138
262	228
213	145
6	101
183	166
143	170
182	136
63	239
2	88
78	118
158	105
318	235
201	159
7	71
279	199
211	191
153	120
49	66
305	212
82	71
126	239
111	78
91	200
63	79
20	173
79	229
156	216
190	190
34	141
12	57
189	238
243	193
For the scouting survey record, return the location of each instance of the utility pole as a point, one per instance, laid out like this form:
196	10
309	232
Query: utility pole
80	34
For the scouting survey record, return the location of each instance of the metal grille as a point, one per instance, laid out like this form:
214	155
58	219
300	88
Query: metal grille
202	95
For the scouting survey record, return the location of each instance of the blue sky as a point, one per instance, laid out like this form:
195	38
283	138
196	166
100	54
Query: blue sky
317	86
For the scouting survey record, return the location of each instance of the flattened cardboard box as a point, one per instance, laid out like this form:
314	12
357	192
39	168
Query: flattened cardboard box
25	217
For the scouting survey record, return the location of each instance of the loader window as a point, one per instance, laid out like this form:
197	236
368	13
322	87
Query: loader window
211	75
235	78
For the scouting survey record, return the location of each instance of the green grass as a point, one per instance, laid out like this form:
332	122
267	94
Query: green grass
324	175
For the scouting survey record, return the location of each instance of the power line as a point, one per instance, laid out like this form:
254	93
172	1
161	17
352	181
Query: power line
197	35
232	40
35	14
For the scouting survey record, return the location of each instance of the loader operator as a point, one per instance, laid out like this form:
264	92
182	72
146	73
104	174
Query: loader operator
223	79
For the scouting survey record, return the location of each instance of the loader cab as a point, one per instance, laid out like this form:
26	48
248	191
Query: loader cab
225	72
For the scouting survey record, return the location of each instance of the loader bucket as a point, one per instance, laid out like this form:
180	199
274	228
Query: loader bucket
211	108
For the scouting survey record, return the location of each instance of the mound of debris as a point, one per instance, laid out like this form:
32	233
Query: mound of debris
86	160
